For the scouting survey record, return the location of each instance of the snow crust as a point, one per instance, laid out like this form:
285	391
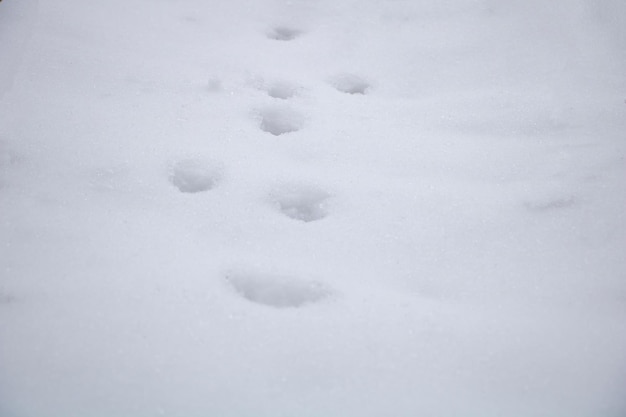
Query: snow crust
313	208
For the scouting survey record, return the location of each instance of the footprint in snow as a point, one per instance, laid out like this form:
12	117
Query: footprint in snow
284	33
277	291
194	175
301	202
282	90
280	120
350	84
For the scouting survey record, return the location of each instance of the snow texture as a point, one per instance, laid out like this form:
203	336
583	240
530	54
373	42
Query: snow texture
312	208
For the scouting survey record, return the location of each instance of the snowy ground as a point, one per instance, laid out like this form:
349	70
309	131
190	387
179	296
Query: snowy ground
306	208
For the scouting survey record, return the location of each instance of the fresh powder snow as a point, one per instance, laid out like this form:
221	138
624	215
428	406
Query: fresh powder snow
313	208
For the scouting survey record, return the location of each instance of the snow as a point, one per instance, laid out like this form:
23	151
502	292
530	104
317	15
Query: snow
296	208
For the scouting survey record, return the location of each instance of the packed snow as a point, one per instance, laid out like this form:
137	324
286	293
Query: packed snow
281	208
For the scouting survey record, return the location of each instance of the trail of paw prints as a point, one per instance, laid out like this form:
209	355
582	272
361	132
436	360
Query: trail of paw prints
194	175
277	291
281	120
301	202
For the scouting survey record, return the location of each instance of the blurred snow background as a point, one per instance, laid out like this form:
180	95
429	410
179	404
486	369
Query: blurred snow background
312	208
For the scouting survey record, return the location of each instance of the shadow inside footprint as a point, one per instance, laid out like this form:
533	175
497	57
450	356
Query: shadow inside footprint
282	90
284	33
299	202
350	84
194	175
277	291
279	121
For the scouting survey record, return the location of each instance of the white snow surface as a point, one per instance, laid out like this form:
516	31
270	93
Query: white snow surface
337	208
